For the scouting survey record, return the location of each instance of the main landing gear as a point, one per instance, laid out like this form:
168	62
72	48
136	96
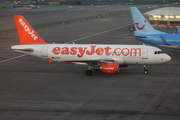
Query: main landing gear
145	71
89	72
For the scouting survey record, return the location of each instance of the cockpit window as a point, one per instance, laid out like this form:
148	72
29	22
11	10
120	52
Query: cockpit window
162	52
158	52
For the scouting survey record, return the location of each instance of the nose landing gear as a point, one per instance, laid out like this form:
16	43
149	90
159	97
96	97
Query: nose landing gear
145	70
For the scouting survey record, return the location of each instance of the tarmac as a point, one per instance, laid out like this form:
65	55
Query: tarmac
33	89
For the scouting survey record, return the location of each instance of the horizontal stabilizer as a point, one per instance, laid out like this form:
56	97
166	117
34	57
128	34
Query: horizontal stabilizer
25	50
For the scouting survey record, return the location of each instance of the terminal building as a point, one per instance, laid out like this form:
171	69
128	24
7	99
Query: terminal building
167	16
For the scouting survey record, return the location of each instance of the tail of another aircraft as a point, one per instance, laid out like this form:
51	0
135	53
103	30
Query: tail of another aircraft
142	26
27	35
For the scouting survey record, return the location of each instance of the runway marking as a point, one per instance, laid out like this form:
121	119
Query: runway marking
12	58
72	41
98	33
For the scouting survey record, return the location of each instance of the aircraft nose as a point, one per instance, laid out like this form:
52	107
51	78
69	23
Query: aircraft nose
168	58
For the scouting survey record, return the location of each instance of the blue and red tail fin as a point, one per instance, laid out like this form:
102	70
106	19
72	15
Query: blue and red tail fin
142	26
27	35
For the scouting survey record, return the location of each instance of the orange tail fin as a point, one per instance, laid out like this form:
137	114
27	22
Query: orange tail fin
27	35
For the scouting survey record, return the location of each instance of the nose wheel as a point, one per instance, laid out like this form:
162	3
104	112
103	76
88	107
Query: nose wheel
145	70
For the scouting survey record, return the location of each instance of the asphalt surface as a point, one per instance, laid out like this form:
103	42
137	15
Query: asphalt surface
32	89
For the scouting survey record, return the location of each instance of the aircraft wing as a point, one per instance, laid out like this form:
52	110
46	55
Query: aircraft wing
92	60
89	60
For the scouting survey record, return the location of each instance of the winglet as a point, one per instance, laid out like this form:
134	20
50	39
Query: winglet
178	29
164	41
27	35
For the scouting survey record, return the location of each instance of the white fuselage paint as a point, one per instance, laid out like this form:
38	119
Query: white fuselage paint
75	40
122	54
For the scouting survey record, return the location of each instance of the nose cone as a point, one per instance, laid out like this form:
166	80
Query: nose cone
168	58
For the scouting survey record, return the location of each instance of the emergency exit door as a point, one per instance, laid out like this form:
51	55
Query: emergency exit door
145	53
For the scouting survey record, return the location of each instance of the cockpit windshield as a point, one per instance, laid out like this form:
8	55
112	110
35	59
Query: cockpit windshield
158	52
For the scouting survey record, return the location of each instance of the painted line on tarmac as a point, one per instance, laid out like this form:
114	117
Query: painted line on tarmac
97	33
12	58
72	41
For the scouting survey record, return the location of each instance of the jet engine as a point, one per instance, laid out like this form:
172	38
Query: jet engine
111	68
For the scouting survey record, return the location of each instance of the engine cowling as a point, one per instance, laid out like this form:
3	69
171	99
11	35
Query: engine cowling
110	68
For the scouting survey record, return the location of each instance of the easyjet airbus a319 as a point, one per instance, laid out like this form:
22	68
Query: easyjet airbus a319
107	58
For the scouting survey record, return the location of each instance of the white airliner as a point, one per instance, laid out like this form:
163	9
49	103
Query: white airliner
107	58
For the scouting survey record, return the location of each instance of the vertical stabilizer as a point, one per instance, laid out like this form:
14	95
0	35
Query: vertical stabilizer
142	26
27	35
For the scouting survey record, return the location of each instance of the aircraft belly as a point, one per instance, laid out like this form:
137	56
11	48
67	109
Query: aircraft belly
133	61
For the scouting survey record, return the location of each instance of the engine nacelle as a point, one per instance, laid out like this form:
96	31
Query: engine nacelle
110	68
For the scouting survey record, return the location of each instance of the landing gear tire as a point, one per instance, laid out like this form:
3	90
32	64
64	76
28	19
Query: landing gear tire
89	72
145	72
